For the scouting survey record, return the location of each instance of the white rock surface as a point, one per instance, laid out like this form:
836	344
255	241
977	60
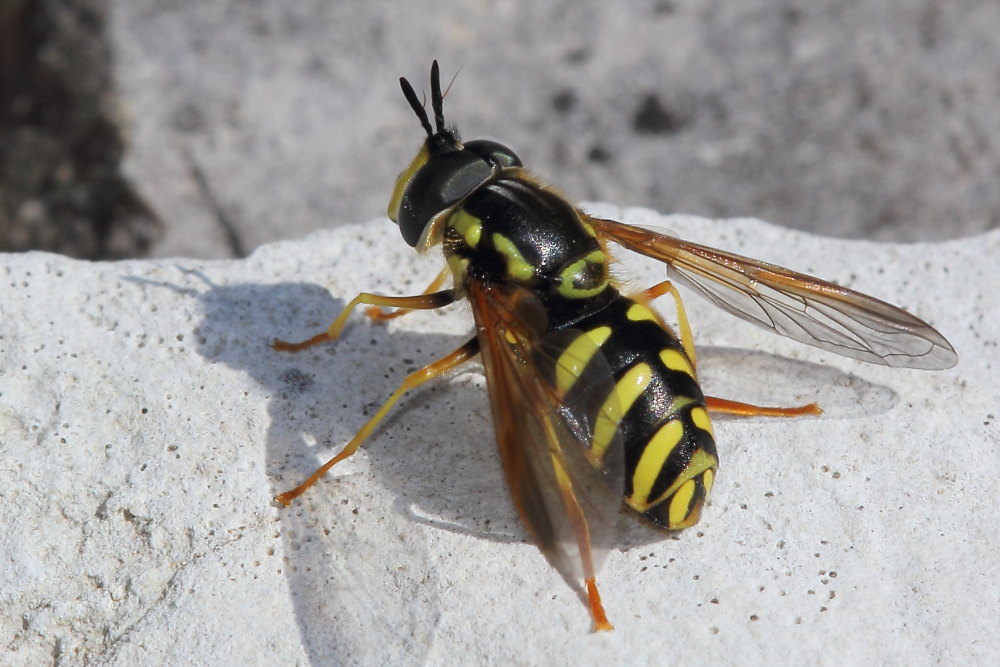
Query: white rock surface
145	426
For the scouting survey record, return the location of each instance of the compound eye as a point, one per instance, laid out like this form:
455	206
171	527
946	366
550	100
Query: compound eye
436	186
493	152
459	176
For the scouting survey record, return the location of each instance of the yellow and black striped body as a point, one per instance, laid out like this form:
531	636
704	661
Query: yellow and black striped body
513	230
594	399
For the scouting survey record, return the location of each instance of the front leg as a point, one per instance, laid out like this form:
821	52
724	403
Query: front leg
417	302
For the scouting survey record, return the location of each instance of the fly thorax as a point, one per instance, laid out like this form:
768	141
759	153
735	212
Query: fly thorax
514	230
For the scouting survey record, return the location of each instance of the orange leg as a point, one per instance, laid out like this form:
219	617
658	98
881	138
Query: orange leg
687	341
720	404
415	379
421	301
747	410
601	623
380	315
582	530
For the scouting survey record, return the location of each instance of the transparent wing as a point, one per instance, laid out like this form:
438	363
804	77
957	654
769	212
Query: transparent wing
569	500
795	305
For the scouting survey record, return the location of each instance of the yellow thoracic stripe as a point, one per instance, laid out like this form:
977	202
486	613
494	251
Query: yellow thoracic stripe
468	225
626	391
577	355
518	268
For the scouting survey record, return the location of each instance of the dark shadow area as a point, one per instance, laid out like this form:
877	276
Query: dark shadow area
61	189
338	575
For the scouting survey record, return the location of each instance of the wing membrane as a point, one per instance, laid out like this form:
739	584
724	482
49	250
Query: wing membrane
795	305
569	503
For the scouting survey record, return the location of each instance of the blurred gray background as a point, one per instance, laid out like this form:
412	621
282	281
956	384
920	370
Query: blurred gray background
186	127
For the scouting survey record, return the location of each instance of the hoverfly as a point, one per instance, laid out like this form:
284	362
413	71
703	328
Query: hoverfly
594	398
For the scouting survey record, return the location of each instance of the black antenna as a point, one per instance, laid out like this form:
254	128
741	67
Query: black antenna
416	105
437	99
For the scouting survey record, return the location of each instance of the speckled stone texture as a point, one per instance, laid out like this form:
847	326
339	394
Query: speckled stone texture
145	425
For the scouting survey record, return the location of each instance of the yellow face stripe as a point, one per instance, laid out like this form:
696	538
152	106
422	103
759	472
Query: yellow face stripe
468	225
653	458
676	361
576	357
700	418
404	179
626	391
517	267
680	503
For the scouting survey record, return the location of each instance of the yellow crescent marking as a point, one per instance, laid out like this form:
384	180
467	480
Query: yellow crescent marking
569	277
700	418
637	312
676	361
576	357
701	462
708	479
676	405
680	504
626	390
653	458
